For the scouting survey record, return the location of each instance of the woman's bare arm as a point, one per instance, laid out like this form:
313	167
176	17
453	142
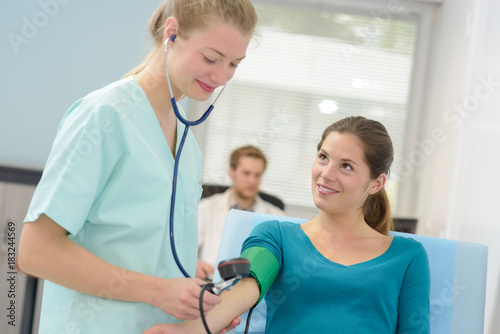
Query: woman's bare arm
234	303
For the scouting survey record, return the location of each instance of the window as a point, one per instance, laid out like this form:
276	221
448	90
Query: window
310	66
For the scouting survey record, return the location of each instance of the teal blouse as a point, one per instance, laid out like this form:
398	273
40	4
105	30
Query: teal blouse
388	294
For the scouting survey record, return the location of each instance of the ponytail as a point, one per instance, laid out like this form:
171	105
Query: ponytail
156	23
377	212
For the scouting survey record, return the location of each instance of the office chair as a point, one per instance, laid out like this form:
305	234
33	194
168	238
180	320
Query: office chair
212	189
458	276
403	224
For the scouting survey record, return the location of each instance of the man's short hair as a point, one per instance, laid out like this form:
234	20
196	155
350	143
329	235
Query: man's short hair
246	151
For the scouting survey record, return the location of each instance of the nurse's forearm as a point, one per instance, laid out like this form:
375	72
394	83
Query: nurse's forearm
45	251
234	303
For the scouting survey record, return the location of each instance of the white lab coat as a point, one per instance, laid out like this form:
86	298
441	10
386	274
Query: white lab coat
211	217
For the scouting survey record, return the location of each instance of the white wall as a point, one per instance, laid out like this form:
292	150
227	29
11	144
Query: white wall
53	52
459	179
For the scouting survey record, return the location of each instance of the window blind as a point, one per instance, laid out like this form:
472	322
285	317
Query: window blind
308	68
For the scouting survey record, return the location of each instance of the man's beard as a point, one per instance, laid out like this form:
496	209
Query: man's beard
243	195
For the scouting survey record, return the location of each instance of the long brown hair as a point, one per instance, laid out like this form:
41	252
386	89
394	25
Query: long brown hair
378	154
198	14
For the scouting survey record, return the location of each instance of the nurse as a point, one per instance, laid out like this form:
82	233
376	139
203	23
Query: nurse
97	227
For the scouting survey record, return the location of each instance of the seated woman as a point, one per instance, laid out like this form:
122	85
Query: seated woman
341	271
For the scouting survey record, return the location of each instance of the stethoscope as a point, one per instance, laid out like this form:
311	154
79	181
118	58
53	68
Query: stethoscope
231	270
178	155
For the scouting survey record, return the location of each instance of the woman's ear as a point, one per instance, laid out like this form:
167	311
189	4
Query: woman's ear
171	27
377	184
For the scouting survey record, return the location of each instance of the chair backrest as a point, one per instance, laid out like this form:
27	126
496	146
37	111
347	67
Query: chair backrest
212	189
403	224
458	276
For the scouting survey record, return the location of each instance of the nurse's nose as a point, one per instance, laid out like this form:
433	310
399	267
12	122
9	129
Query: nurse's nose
222	75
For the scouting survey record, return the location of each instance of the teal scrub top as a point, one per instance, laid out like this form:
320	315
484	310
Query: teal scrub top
108	182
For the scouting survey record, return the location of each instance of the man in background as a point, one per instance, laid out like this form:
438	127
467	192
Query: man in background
247	164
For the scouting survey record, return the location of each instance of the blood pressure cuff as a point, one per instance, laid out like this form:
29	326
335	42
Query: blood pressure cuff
264	267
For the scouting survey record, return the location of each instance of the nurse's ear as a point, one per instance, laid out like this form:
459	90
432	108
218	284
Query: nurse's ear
171	28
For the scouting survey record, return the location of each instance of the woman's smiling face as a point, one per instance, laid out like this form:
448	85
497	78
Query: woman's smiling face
341	179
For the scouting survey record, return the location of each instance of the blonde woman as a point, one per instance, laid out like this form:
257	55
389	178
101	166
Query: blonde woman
97	227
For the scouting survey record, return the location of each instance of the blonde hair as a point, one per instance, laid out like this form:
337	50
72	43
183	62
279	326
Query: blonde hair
198	14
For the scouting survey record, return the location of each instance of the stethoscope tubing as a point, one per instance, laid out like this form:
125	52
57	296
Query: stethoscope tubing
174	181
187	124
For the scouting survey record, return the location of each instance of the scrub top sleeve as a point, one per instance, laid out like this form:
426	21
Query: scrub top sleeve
86	150
414	307
268	235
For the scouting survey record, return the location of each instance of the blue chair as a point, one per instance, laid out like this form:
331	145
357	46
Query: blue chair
458	276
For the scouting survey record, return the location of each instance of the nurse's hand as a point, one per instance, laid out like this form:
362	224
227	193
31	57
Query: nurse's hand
204	270
232	325
179	297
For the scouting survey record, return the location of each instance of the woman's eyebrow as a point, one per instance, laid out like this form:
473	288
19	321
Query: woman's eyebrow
322	152
222	54
349	161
